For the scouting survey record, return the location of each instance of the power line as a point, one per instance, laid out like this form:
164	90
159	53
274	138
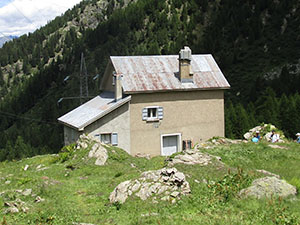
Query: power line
5	36
22	13
25	118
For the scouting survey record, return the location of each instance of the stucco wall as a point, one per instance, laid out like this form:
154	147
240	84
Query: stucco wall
197	115
116	121
106	83
70	135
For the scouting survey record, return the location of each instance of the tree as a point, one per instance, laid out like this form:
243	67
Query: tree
242	122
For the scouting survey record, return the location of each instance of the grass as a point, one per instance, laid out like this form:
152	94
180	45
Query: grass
77	191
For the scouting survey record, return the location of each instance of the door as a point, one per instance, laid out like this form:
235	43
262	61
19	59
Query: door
169	145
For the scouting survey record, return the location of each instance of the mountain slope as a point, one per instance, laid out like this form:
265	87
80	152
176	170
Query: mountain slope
256	44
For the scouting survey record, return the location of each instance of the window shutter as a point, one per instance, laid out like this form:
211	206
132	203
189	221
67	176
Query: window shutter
114	138
145	113
160	113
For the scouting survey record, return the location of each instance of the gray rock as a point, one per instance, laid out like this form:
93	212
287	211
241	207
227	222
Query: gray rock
268	187
120	193
175	194
268	173
136	186
158	182
38	199
11	210
27	192
100	153
26	167
193	157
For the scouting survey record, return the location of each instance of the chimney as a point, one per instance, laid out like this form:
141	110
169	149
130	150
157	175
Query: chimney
185	72
118	87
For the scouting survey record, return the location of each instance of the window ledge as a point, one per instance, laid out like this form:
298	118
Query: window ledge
152	120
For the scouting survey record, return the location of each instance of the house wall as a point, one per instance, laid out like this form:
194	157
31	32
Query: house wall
106	83
70	135
196	115
116	121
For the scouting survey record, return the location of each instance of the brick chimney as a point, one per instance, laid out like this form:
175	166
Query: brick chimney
185	72
118	87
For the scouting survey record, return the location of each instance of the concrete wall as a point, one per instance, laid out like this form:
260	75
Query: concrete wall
117	121
106	83
197	115
70	135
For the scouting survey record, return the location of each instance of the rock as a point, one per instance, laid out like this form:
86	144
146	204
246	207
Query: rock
151	184
7	182
192	158
268	187
143	155
175	194
265	131
100	153
38	199
41	169
149	214
39	166
268	173
165	198
120	192
277	146
11	210
27	192
26	167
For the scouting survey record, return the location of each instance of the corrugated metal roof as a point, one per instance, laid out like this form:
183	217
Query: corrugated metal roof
158	73
92	110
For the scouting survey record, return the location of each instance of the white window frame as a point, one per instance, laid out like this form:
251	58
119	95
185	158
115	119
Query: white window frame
151	111
151	117
166	135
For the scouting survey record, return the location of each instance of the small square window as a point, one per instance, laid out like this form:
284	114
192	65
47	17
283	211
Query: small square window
152	113
105	138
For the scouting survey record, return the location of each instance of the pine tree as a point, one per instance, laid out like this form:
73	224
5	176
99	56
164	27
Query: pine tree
230	120
242	122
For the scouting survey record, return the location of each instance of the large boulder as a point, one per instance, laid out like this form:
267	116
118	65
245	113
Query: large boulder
166	183
97	151
192	157
268	187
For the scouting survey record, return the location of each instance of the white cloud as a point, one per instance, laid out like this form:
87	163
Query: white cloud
22	16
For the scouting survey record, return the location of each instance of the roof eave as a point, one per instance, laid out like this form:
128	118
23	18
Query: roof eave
171	90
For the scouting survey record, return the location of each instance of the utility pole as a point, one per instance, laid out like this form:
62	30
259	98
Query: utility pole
83	86
84	89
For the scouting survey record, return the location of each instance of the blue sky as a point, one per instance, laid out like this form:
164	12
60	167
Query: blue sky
18	17
3	3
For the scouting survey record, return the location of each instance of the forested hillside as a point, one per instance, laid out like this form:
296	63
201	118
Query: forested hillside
255	42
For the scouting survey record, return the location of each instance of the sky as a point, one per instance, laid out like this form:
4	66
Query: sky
18	17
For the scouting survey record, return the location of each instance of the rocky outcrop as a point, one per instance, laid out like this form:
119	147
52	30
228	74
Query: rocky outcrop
265	131
192	157
15	206
97	149
268	187
166	184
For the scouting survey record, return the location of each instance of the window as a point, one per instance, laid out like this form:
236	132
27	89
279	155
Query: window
186	144
152	113
105	138
109	138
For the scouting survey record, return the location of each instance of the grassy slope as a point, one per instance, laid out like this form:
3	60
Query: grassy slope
81	194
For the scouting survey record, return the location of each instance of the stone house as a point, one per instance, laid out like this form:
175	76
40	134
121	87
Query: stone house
155	105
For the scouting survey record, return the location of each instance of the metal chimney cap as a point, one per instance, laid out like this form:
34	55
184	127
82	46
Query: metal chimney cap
185	54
